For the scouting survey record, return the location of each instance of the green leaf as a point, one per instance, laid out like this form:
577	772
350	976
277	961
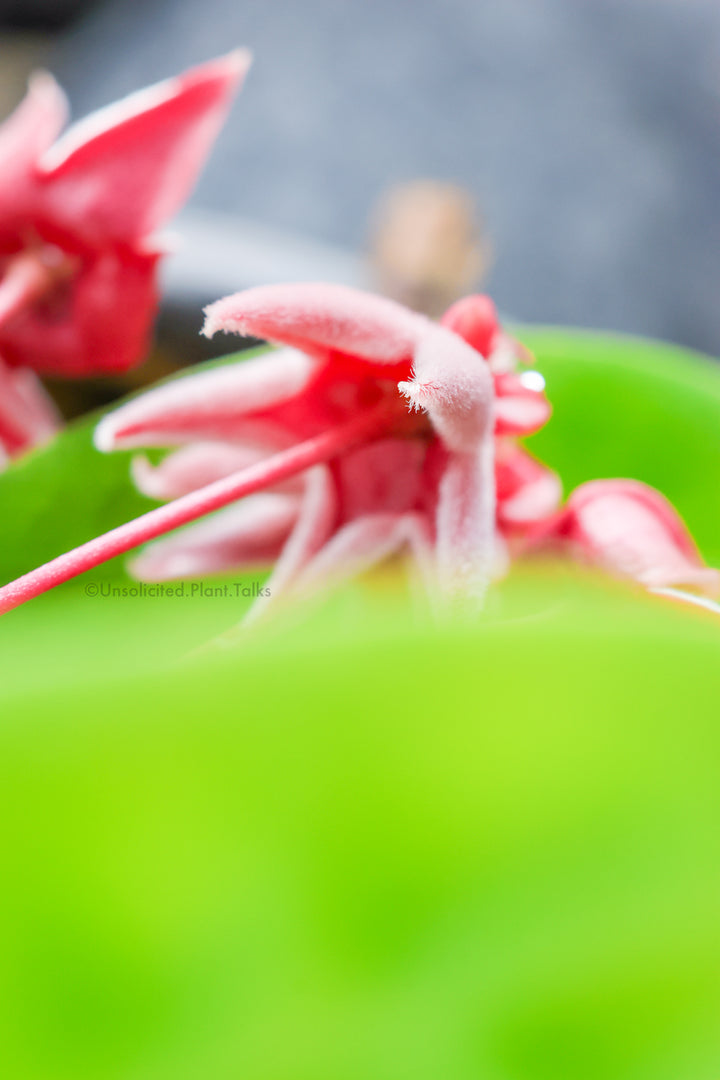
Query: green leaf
359	849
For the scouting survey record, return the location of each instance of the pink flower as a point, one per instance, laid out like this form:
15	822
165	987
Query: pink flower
28	416
423	478
369	431
632	531
526	491
78	217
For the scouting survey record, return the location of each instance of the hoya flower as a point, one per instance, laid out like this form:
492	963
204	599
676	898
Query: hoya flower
28	415
632	531
368	430
424	479
417	470
79	216
527	492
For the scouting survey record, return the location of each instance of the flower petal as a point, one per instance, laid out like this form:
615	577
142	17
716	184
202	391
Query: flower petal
27	133
196	465
362	543
465	527
312	529
632	530
320	319
28	416
126	169
475	319
248	534
453	383
527	491
206	406
520	409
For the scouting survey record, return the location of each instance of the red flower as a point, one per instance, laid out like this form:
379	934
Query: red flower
632	531
78	216
372	430
422	477
526	491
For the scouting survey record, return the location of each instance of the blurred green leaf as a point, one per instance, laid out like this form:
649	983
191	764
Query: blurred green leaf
367	850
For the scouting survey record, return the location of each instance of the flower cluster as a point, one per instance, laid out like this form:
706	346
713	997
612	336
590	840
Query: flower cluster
78	218
416	429
368	431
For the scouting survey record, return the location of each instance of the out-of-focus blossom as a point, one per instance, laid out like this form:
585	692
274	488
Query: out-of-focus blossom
632	531
78	222
28	415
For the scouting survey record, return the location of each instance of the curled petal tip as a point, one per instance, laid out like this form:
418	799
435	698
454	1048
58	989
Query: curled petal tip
104	435
232	65
33	127
144	475
474	318
44	87
521	406
216	319
422	396
237	61
223	315
454	385
417	394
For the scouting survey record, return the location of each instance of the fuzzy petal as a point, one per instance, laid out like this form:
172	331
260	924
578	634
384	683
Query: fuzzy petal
248	534
527	492
321	319
455	386
520	409
465	527
206	406
363	543
125	170
26	134
28	416
197	465
475	319
312	529
632	530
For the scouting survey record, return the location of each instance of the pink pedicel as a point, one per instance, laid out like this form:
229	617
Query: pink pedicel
370	430
79	216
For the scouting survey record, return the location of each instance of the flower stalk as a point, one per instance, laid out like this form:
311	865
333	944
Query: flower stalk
197	504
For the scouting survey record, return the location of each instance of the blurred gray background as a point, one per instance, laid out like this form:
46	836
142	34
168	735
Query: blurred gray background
587	130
